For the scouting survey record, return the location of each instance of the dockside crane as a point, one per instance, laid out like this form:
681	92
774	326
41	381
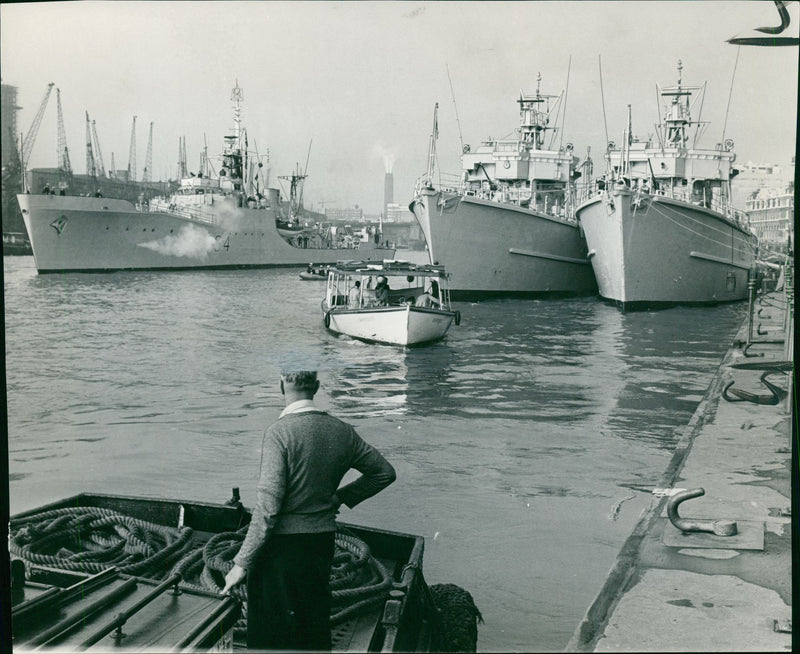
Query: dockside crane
132	154
91	166
30	137
148	158
101	168
182	169
64	165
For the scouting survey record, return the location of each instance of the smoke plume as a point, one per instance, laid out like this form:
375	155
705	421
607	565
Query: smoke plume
191	242
388	157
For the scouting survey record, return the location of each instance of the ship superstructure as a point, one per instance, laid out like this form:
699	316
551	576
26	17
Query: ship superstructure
506	225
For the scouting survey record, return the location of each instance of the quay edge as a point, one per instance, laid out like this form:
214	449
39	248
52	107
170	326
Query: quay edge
714	596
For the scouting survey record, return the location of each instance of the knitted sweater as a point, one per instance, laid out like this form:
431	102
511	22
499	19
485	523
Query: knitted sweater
304	457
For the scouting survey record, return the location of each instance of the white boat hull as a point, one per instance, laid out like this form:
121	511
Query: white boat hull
664	250
402	325
84	234
493	248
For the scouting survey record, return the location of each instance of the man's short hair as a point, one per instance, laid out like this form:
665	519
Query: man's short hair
301	379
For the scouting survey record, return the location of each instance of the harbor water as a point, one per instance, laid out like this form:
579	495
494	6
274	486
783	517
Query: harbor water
526	443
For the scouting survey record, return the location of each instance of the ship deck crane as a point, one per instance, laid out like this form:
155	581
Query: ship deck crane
30	137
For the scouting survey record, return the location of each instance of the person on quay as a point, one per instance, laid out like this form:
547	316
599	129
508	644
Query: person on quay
288	551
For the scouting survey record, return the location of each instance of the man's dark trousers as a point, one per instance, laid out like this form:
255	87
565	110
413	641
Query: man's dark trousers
289	593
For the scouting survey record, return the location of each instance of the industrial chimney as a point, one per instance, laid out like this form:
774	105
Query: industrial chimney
388	194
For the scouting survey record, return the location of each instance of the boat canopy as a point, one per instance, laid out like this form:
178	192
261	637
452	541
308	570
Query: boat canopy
389	268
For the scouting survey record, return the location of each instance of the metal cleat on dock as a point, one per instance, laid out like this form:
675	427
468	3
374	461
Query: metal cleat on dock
770	368
782	626
718	527
708	533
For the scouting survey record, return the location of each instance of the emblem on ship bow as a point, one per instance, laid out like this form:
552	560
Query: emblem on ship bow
59	223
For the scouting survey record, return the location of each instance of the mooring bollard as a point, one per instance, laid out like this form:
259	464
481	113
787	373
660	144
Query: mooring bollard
788	354
751	297
717	527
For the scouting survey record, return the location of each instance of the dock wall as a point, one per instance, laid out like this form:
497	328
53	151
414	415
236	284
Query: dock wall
672	590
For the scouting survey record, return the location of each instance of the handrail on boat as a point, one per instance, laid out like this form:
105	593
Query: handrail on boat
198	214
122	617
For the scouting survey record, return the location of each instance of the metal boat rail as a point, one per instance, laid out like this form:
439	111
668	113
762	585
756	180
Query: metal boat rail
683	195
198	214
502	193
448	182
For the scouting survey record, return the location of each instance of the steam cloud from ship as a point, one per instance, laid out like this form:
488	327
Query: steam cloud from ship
194	242
191	242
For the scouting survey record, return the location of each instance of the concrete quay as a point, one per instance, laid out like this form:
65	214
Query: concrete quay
673	590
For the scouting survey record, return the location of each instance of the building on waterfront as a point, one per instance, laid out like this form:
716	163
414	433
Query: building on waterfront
398	213
771	216
348	215
8	120
401	227
756	177
12	222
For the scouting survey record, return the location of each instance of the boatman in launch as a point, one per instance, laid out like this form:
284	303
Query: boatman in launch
288	551
354	300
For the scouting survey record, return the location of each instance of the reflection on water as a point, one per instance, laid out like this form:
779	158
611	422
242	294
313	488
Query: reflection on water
525	442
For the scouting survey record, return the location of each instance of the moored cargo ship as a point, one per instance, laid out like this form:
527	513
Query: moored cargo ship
506	225
229	221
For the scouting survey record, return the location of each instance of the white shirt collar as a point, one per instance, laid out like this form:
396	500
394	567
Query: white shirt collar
300	406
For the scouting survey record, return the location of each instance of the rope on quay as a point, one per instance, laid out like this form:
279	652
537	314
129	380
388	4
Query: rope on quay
91	539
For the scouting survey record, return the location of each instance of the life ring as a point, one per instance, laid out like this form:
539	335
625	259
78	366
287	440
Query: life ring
327	319
457	319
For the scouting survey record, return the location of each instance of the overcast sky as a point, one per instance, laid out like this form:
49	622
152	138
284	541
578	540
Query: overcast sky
358	80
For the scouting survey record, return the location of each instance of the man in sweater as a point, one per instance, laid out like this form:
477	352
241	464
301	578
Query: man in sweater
288	551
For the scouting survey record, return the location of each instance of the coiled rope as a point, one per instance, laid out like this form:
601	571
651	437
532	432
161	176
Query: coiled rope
91	539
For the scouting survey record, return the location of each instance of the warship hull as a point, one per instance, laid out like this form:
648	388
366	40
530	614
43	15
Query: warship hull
492	248
650	249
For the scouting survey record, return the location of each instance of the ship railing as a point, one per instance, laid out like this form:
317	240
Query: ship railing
510	145
191	213
448	182
720	205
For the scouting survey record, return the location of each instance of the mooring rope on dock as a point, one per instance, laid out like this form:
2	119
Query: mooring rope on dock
92	539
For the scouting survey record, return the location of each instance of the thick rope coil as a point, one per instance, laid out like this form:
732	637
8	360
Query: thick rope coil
68	539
